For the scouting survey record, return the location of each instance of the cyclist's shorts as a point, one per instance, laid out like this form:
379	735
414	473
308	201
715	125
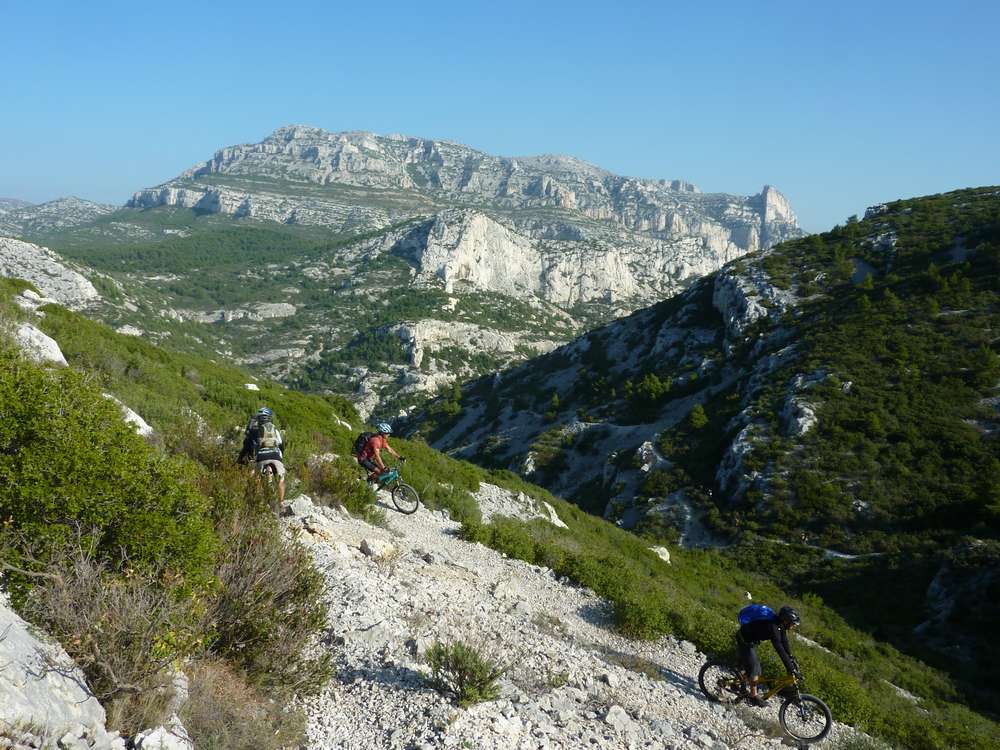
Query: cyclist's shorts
748	656
277	466
369	464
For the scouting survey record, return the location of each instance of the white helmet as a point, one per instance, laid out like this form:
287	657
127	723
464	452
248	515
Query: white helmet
384	428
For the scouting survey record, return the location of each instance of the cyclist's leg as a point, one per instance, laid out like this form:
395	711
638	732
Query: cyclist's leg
278	468
751	664
370	466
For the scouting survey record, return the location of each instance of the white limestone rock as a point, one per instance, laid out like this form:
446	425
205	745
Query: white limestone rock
661	552
38	346
497	501
47	271
40	685
731	467
132	418
377	548
172	736
798	417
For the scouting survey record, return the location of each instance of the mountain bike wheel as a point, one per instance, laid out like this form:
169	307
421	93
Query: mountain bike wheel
807	719
405	498
720	682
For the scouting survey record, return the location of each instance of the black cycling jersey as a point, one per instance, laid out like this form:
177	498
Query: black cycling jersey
767	630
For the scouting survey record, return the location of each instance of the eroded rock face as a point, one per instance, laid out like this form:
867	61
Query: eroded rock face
47	271
41	686
471	248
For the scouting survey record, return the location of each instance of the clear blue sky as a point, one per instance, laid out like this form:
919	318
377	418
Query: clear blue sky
838	104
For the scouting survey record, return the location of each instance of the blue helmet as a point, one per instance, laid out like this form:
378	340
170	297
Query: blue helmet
265	414
384	428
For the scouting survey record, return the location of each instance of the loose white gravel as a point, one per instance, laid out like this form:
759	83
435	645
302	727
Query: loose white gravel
568	684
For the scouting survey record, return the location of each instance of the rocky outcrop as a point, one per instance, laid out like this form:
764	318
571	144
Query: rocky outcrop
422	338
258	312
743	296
44	697
47	271
471	249
38	346
137	422
63	213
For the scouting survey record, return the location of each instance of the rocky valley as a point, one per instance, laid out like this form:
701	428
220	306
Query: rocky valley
353	242
324	618
828	407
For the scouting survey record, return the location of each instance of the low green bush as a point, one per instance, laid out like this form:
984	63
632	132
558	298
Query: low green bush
268	607
463	672
341	481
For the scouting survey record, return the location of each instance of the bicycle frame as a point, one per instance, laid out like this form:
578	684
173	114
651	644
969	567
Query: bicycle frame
777	685
389	476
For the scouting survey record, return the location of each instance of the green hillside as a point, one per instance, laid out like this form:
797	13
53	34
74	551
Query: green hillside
190	480
886	330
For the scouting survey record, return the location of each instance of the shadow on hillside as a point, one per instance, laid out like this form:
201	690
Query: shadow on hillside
598	614
685	682
399	677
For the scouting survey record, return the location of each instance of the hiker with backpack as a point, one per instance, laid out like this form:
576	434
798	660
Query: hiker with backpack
759	623
368	449
263	443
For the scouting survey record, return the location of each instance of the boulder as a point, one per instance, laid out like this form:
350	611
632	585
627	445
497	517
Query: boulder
38	346
132	418
661	552
173	736
618	717
553	517
377	548
41	686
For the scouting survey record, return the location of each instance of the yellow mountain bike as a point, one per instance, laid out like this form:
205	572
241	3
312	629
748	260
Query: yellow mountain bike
804	717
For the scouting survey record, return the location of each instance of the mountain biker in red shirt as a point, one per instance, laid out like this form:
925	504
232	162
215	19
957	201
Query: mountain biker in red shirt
370	457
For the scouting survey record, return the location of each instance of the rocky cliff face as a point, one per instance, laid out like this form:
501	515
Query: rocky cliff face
311	176
466	247
46	270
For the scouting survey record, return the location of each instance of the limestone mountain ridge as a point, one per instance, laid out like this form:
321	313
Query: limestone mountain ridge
439	261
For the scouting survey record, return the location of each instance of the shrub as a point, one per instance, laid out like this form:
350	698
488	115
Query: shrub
68	459
461	671
225	712
642	615
123	632
269	606
340	481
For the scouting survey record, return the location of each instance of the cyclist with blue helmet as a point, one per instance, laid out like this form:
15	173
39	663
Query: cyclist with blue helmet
759	623
370	455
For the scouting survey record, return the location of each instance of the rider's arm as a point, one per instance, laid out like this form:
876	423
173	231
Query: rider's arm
779	638
392	450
